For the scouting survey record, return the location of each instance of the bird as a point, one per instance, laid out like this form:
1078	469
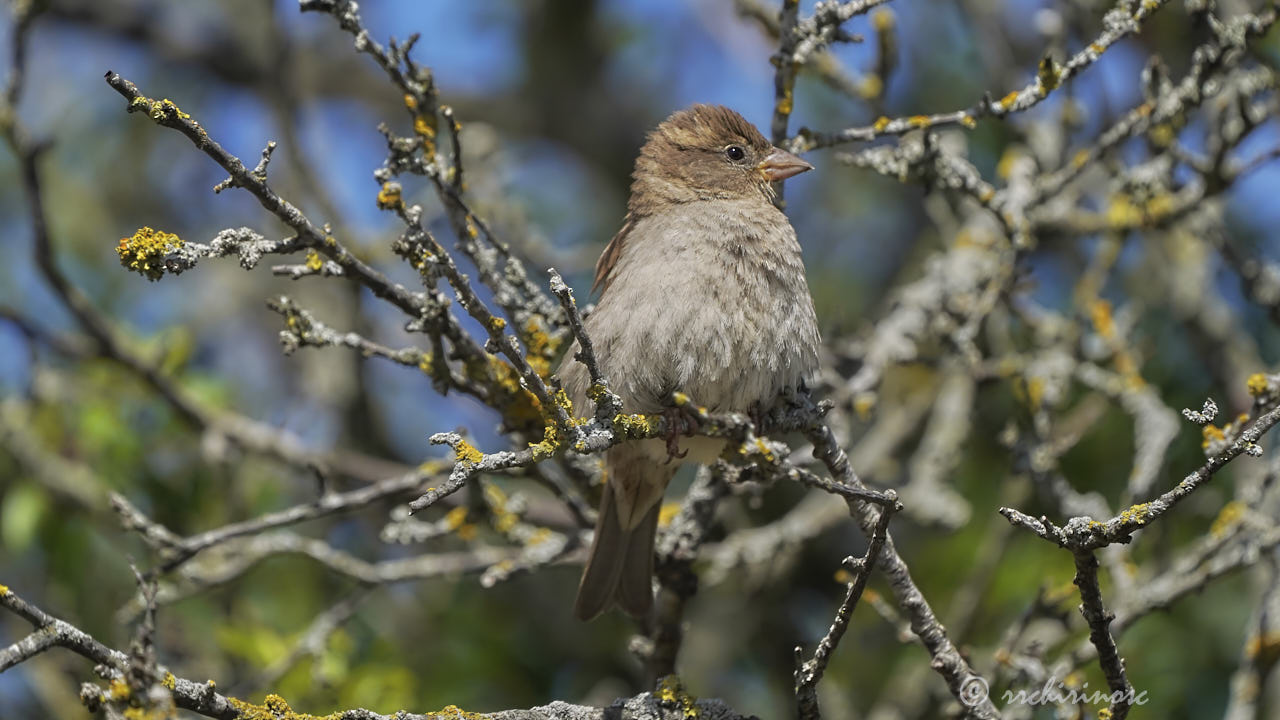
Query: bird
702	291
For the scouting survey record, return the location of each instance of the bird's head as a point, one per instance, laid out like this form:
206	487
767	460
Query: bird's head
707	152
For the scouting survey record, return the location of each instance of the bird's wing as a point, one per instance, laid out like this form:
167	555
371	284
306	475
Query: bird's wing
612	251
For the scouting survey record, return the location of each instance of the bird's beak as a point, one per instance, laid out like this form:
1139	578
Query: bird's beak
780	165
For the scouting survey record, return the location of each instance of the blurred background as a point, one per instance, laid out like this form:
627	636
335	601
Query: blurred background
555	98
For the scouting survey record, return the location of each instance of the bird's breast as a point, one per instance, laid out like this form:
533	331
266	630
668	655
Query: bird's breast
710	300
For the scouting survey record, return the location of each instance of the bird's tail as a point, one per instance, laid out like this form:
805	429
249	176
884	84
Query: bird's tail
620	567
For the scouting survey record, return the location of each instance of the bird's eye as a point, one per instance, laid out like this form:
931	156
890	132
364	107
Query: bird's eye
735	152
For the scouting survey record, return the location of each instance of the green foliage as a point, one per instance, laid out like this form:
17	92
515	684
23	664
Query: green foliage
24	507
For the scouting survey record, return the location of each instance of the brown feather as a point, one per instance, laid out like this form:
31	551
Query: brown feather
609	258
683	161
704	292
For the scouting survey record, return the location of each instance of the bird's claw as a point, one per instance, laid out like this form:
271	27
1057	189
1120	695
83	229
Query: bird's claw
680	420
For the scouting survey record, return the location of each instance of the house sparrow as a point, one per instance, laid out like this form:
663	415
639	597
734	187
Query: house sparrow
703	292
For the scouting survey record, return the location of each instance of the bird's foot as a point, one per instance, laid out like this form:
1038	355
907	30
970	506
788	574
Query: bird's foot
681	419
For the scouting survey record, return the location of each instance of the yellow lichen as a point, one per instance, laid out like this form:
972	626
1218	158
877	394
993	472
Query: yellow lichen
635	425
550	443
389	197
667	513
497	324
4	590
871	86
964	238
431	467
1104	323
453	712
1162	135
1004	167
561	398
1080	158
1007	366
969	121
467	532
1007	101
423	126
1049	75
672	694
882	20
314	263
503	522
468	453
1211	434
542	346
1160	205
504	567
520	408
1104	713
1128	369
273	707
536	338
1122	213
170	681
159	110
918	121
1136	514
760	447
542	366
1035	392
144	251
539	536
1257	384
1100	314
864	404
785	104
880	124
424	363
1228	517
455	518
667	691
494	495
1264	649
